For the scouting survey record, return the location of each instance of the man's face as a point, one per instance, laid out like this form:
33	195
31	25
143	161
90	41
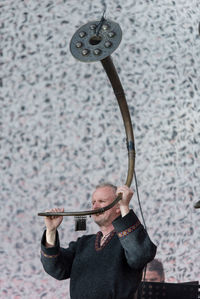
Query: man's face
153	276
102	197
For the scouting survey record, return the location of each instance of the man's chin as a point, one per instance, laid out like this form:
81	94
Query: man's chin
98	219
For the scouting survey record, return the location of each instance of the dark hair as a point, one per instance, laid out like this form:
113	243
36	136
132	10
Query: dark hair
157	266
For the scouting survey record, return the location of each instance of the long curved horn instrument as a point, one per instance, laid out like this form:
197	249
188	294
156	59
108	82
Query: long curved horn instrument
95	41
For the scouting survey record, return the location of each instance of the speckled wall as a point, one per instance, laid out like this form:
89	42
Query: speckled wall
61	131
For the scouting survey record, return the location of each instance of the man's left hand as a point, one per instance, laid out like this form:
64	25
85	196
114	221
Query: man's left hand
127	194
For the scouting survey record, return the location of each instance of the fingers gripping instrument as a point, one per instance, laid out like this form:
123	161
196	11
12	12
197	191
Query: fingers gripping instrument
96	41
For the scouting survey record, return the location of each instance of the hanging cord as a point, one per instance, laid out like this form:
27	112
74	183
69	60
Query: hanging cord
101	21
140	206
138	197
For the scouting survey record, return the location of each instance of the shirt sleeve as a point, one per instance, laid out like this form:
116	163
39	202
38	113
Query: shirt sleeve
139	249
57	261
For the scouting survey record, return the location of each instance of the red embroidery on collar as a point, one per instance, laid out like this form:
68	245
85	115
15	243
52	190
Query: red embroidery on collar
98	246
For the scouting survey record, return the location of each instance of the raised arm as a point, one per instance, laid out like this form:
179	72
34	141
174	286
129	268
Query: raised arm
138	248
52	223
56	261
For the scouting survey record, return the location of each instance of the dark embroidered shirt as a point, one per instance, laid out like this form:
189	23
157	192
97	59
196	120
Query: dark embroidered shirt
110	271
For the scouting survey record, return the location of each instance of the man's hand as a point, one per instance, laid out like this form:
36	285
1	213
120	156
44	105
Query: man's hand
127	194
52	223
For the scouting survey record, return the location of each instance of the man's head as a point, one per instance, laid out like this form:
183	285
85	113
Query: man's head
155	272
103	196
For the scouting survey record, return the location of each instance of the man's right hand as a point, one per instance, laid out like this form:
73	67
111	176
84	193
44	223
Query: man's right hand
52	223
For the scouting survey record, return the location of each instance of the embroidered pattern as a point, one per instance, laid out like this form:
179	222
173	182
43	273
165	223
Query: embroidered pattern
50	256
98	245
128	230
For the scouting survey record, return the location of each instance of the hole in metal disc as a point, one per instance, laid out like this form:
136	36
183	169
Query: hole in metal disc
105	27
79	44
93	26
97	52
82	34
85	52
108	44
111	34
95	40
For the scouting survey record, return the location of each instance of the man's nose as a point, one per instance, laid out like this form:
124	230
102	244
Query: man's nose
95	206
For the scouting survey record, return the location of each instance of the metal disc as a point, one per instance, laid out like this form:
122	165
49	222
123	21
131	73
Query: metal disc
87	46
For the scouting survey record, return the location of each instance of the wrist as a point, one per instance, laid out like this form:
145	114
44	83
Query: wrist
124	210
50	237
50	231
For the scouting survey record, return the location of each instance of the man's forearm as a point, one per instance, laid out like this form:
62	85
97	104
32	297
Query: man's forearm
124	210
50	238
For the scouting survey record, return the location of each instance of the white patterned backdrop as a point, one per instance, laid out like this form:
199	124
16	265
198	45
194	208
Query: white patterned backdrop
61	131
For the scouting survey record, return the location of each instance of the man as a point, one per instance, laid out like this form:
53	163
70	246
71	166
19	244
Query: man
155	272
108	264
